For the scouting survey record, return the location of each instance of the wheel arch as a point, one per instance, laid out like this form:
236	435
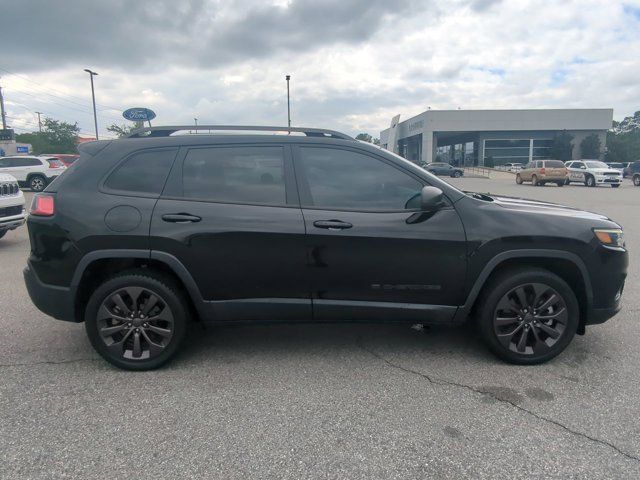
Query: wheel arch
566	265
99	265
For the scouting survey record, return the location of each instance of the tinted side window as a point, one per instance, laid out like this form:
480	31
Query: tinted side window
143	172
32	162
350	180
235	175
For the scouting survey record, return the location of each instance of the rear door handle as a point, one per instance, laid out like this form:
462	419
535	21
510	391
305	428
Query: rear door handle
180	218
332	224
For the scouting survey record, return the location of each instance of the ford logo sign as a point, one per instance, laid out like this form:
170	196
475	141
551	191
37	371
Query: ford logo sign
139	114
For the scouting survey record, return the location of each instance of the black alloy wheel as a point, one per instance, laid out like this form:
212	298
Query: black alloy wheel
530	319
528	315
136	321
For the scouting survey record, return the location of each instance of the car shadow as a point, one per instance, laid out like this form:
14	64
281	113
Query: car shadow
229	344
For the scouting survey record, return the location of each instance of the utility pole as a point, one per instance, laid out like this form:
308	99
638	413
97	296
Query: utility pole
39	122
2	112
93	96
288	77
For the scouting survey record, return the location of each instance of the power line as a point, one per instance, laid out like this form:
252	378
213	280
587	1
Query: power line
108	107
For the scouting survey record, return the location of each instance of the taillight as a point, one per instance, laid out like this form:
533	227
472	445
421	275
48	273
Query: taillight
43	205
543	171
54	163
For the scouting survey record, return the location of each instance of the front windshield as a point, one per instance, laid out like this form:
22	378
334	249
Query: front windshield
596	165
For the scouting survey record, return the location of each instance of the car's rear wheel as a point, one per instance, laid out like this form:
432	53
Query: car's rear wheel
636	180
590	181
528	315
518	179
37	183
136	320
534	181
3	233
560	184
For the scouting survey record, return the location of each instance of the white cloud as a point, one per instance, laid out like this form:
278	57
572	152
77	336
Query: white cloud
224	62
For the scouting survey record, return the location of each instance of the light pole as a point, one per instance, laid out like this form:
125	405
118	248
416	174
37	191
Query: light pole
93	96
288	77
39	122
195	120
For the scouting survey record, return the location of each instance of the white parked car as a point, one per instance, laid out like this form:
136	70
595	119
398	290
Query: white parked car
33	172
12	213
513	167
592	173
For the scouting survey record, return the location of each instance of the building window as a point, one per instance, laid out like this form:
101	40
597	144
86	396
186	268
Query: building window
499	152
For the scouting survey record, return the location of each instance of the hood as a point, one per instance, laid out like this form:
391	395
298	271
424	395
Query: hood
6	178
605	170
535	206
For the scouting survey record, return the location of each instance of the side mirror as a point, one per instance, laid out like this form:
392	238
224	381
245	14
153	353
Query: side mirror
431	199
583	167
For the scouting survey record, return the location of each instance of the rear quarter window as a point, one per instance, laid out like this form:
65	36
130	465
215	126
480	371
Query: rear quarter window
143	172
554	164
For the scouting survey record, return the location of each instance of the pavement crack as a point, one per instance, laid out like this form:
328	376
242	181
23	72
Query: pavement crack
47	362
440	382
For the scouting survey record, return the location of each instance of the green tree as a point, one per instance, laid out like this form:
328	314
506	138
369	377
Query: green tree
365	137
562	147
590	146
123	130
56	137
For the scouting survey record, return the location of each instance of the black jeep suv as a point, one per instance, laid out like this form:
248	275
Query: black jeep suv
143	234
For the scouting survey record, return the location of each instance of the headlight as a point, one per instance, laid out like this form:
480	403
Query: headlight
610	237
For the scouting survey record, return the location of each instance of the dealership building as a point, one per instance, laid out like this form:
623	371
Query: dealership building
479	137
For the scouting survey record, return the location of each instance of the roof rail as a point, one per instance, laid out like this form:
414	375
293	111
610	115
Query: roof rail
168	130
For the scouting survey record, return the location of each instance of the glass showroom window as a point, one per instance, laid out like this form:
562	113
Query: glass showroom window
507	151
542	149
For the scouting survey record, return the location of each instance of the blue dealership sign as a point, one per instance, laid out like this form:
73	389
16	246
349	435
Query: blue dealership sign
22	149
139	114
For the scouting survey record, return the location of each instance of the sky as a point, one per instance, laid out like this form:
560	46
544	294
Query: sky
354	64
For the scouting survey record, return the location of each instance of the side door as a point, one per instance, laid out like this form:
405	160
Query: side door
576	171
230	214
372	254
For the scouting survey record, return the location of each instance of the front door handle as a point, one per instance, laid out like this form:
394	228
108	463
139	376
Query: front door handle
332	224
180	218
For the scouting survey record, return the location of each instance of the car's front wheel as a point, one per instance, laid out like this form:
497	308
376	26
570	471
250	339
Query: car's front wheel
534	181
528	315
457	174
590	181
136	320
636	180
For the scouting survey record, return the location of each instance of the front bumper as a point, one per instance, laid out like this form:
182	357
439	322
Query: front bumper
11	223
52	300
608	180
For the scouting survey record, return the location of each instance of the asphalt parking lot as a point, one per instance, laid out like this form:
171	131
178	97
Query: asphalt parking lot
324	401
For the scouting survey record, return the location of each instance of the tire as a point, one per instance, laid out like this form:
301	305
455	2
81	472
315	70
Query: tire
567	182
519	179
3	233
590	181
636	180
560	184
157	333
501	313
457	174
615	185
534	181
37	183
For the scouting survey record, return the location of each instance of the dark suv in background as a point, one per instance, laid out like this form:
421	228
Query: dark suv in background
141	235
